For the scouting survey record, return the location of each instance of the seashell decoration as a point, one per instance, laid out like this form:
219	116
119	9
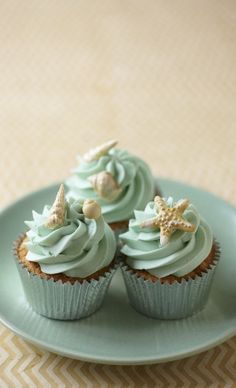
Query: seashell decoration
105	185
169	219
96	153
91	209
57	214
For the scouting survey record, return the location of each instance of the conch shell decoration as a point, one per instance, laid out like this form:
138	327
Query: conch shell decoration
96	153
105	185
57	214
91	209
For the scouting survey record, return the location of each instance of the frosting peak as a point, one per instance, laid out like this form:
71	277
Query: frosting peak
185	248
79	247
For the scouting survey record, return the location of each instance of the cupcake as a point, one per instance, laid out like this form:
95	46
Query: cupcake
66	258
170	258
118	181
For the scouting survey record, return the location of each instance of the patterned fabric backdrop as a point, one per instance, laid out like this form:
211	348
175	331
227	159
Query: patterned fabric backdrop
160	77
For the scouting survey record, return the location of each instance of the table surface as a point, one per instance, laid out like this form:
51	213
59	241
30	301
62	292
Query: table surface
160	77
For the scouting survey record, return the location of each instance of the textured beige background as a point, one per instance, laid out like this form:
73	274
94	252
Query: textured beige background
157	75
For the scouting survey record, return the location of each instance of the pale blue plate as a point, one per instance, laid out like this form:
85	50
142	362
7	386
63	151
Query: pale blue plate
117	334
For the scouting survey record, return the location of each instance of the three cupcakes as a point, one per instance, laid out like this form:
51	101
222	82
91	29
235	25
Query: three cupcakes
66	259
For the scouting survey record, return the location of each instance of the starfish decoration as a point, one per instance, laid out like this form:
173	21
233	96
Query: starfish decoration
169	219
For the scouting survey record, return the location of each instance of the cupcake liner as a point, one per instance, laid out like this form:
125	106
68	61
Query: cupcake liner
64	301
169	301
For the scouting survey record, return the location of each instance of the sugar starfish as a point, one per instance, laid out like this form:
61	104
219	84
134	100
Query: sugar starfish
169	219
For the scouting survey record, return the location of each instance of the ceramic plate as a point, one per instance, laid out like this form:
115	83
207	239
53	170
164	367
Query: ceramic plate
117	334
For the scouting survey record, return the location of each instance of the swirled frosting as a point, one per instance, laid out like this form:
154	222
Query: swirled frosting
78	248
131	174
182	254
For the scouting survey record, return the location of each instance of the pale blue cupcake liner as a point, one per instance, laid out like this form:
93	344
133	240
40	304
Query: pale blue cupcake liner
64	301
169	301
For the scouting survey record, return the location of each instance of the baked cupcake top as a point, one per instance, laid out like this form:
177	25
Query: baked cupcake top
70	237
118	181
167	238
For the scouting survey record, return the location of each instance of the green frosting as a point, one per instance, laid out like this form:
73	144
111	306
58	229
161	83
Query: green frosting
78	248
184	252
131	174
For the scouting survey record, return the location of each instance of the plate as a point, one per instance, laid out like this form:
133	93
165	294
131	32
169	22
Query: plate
116	334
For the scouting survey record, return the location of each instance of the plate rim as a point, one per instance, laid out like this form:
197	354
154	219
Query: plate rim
116	360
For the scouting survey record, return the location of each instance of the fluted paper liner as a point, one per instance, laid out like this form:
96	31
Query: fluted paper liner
169	301
64	301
